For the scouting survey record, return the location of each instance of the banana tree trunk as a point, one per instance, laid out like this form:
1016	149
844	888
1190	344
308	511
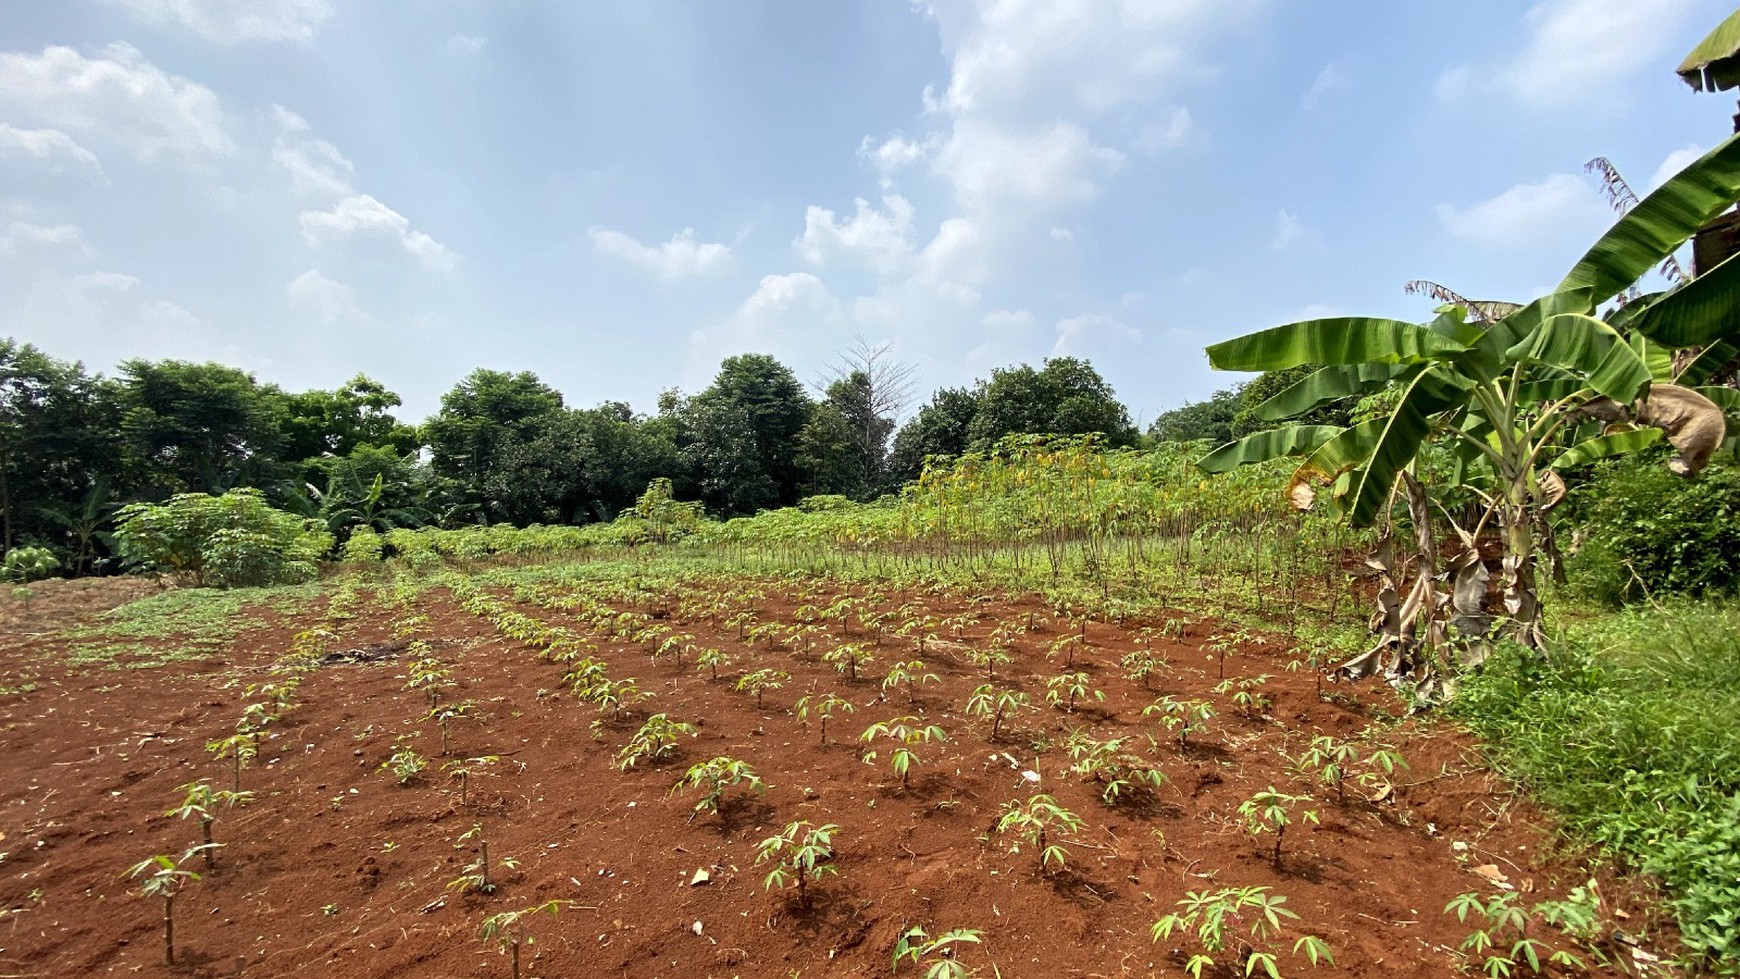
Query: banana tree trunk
1522	603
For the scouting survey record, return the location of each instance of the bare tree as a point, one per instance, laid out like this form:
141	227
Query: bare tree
892	383
879	388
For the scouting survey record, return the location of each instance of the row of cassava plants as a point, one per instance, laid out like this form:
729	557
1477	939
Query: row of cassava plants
802	853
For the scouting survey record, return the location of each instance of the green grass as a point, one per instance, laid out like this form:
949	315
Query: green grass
1628	730
175	626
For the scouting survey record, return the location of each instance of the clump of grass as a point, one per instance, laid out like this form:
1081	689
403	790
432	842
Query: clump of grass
1626	727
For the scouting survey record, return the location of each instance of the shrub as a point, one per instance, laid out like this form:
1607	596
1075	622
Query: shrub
231	541
1648	532
1626	729
25	564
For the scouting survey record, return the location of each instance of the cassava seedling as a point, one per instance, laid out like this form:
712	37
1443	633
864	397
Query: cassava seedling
710	660
445	714
476	876
717	776
801	854
1270	811
200	800
656	739
758	682
1066	688
1039	821
405	764
507	930
464	768
1108	764
1211	916
848	659
164	878
1247	694
911	673
910	733
1180	715
941	952
824	707
1067	645
998	705
241	749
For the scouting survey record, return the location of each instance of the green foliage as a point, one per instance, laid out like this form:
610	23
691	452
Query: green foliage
27	564
1214	917
908	733
941	952
1040	821
717	776
1501	940
507	929
1269	811
1647	532
1626	731
231	541
655	741
824	707
997	704
801	853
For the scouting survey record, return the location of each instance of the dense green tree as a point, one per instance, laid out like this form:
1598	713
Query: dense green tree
763	399
830	455
484	419
57	441
1064	397
318	423
201	428
1211	419
941	428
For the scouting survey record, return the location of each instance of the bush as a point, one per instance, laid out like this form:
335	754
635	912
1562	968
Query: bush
24	564
231	541
1649	532
1626	729
364	546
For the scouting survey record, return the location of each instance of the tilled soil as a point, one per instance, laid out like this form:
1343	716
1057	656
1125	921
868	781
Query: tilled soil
336	869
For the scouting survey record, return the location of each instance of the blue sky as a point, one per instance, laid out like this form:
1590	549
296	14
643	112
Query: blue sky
617	195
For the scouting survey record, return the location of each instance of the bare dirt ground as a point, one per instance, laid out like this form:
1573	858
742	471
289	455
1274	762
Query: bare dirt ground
336	869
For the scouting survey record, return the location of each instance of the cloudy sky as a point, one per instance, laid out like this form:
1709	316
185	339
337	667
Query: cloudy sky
617	195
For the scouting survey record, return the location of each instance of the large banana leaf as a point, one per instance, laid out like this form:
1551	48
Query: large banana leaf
1708	363
1705	309
1657	358
1339	340
1603	446
1486	357
1575	342
1660	223
1327	384
1727	399
1263	446
1405	428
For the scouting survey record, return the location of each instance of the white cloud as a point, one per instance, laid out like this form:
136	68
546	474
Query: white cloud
1008	319
467	44
332	302
119	97
49	147
1330	79
362	217
22	235
1562	205
1170	133
1062	234
878	238
1091	332
314	165
236	21
1033	170
1289	230
682	257
893	153
1576	50
1674	162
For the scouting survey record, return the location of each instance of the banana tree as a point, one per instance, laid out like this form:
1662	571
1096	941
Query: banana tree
1509	399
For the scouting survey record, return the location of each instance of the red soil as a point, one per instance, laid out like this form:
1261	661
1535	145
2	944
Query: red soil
336	868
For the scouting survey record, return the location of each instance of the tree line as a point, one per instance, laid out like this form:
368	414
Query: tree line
503	447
